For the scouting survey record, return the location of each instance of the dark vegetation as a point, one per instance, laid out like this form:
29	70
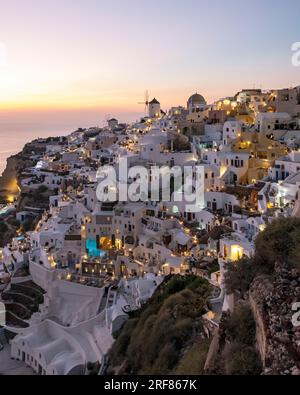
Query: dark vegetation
237	343
166	336
279	242
93	368
181	143
3	226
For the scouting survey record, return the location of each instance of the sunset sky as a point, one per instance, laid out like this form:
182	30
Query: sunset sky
98	55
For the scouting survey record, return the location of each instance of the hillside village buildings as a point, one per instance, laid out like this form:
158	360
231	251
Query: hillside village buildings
91	263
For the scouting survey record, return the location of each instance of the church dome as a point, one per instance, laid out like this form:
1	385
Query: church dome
196	99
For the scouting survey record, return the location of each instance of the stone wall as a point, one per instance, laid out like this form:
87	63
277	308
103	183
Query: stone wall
278	341
256	304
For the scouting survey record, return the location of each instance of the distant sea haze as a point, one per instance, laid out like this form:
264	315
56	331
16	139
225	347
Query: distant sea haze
13	137
20	127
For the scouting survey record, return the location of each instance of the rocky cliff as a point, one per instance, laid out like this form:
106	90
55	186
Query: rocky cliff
278	340
8	181
14	167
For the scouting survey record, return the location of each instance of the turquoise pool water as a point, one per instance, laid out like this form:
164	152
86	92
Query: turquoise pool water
93	251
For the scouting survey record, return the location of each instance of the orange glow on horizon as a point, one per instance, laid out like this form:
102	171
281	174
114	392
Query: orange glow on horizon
112	102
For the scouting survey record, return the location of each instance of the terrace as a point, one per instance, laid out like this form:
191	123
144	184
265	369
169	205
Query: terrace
21	301
96	281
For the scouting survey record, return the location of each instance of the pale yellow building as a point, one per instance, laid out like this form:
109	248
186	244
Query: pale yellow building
263	152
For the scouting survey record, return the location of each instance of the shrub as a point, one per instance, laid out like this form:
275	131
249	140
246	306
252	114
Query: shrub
42	189
241	360
181	143
166	360
240	325
181	331
279	241
93	368
193	361
3	227
14	222
239	276
154	343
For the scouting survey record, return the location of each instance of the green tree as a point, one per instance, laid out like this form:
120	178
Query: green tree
242	361
239	276
240	325
3	227
278	242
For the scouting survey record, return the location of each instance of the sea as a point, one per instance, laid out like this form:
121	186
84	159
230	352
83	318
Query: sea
18	128
14	136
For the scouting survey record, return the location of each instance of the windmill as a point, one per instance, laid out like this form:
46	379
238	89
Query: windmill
107	117
146	102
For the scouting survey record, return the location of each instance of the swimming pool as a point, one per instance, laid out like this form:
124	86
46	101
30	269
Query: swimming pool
93	251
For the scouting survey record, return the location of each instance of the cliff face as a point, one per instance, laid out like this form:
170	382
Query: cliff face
10	191
261	285
8	181
15	165
278	341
